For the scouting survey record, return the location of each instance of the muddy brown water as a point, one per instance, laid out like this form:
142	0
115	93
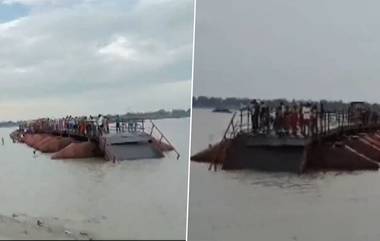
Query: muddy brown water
141	199
251	205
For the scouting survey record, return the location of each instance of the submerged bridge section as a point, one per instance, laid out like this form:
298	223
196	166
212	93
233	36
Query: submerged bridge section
331	140
134	139
135	143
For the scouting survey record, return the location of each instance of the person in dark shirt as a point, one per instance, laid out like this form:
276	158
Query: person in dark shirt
254	112
118	129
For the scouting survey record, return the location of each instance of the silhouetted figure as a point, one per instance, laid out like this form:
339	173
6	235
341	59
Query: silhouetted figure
100	124
306	112
118	129
39	223
314	120
287	120
374	117
255	110
106	125
294	120
277	124
322	115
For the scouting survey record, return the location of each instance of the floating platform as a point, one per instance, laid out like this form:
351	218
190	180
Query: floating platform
132	143
222	110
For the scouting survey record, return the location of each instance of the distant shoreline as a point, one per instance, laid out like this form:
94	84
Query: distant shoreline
234	103
158	115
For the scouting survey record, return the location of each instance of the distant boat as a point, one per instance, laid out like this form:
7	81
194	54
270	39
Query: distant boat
222	110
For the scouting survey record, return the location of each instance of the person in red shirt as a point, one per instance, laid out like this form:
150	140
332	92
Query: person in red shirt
301	122
294	120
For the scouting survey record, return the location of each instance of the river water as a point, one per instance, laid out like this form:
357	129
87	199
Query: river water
251	205
141	199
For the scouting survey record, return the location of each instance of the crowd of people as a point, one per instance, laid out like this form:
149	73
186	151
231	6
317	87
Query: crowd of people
85	126
295	119
305	119
90	126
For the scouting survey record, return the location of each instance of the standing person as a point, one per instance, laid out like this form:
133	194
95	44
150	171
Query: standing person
283	118
266	120
252	110
374	117
88	126
106	125
282	107
261	115
2	141
94	125
306	112
100	124
129	125
123	126
287	120
77	125
294	120
83	124
255	116
64	125
322	115
118	129
272	118
71	124
314	120
277	124
300	119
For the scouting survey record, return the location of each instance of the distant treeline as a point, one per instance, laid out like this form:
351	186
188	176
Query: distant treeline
9	123
236	103
160	114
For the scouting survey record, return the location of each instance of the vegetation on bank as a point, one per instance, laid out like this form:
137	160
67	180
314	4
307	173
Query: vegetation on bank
160	114
236	103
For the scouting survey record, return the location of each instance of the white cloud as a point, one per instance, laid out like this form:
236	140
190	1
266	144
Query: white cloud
95	47
37	2
119	48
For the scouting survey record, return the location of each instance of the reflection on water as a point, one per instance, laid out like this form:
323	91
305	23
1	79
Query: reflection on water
251	205
134	199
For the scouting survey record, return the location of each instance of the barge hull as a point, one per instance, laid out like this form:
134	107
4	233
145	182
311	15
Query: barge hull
254	152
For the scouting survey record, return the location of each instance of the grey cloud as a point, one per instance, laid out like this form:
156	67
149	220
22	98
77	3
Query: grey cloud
292	49
57	53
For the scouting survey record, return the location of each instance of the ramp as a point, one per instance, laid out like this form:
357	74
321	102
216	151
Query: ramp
128	146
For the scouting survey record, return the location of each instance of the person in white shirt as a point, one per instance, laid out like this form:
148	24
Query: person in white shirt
100	123
306	112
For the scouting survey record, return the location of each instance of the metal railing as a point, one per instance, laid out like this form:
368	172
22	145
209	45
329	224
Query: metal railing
156	133
320	124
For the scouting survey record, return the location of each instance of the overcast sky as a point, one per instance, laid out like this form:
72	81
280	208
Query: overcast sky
288	48
60	57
